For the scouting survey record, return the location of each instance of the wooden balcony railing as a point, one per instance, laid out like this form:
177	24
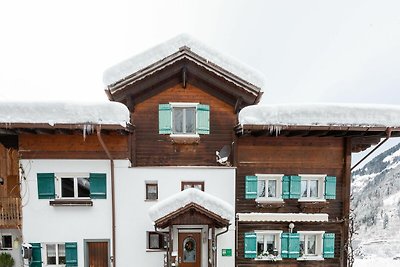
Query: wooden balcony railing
10	212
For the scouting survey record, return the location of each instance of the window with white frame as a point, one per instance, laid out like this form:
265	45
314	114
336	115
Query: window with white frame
269	187
55	255
184	119
74	186
311	244
151	190
6	242
312	187
268	244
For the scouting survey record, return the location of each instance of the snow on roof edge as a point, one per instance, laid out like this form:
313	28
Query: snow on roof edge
321	114
191	195
51	113
159	52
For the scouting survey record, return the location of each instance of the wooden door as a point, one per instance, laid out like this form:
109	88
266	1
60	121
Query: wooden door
189	251
98	254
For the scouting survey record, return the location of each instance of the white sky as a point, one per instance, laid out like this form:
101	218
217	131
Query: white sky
309	51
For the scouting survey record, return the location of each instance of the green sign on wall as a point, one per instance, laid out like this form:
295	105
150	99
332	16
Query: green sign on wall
227	252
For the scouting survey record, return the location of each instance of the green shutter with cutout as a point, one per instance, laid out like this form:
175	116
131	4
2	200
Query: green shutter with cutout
329	245
71	254
98	185
285	187
250	245
36	260
203	119
46	187
251	187
285	245
294	246
330	187
164	119
295	186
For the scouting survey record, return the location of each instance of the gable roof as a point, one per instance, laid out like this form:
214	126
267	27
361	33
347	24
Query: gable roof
180	60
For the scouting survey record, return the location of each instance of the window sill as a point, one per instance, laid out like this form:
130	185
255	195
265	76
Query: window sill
71	202
155	250
311	258
150	200
268	259
312	200
185	138
270	200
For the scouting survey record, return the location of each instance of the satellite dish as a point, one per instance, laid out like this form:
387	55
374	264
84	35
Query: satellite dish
223	155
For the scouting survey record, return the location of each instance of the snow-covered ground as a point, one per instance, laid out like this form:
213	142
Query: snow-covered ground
376	262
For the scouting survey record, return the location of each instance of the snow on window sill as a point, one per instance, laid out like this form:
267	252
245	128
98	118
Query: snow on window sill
311	258
312	199
268	258
155	250
269	200
185	138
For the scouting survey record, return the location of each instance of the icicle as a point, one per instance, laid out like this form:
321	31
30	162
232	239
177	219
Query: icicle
84	132
274	129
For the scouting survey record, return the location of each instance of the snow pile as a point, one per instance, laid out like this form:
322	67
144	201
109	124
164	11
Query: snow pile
191	195
160	52
51	113
348	115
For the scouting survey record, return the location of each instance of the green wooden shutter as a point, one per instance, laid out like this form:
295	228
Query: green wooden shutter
250	245
203	119
329	245
98	185
295	186
164	119
251	187
285	245
285	187
330	187
46	187
36	255
294	245
71	254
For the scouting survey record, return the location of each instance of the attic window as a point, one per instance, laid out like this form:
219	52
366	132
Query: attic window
184	120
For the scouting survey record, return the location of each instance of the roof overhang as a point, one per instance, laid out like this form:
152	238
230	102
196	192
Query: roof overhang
182	67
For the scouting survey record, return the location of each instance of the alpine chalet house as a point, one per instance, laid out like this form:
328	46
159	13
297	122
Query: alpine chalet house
187	170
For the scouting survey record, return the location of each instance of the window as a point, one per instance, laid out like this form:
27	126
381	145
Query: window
55	254
6	242
312	187
156	240
268	245
151	191
197	185
74	187
264	187
311	244
184	119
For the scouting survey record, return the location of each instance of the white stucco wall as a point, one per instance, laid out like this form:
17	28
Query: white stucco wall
15	252
132	214
43	223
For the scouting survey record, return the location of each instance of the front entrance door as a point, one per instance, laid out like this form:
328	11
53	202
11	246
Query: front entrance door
189	251
98	254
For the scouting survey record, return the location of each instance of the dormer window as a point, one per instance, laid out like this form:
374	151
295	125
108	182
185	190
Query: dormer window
188	119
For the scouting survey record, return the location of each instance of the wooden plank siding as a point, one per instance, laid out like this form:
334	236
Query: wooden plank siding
293	155
154	149
59	146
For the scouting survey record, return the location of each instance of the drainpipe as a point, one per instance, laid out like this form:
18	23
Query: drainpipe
216	244
112	194
388	135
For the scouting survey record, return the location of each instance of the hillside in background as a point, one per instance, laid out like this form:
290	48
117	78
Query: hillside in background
376	206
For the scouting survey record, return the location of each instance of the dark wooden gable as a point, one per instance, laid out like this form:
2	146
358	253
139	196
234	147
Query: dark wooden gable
184	67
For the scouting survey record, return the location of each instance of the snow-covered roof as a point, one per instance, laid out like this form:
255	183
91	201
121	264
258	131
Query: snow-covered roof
282	217
139	62
348	115
52	113
188	196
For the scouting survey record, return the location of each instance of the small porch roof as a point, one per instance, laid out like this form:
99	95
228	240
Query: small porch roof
191	200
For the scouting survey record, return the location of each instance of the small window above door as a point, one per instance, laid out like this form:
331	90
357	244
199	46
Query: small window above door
197	185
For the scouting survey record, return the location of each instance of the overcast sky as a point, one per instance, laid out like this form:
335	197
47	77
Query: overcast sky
309	51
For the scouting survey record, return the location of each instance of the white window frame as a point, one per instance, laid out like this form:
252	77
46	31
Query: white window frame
266	178
152	182
183	105
319	246
277	235
1	241
321	187
57	254
75	176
